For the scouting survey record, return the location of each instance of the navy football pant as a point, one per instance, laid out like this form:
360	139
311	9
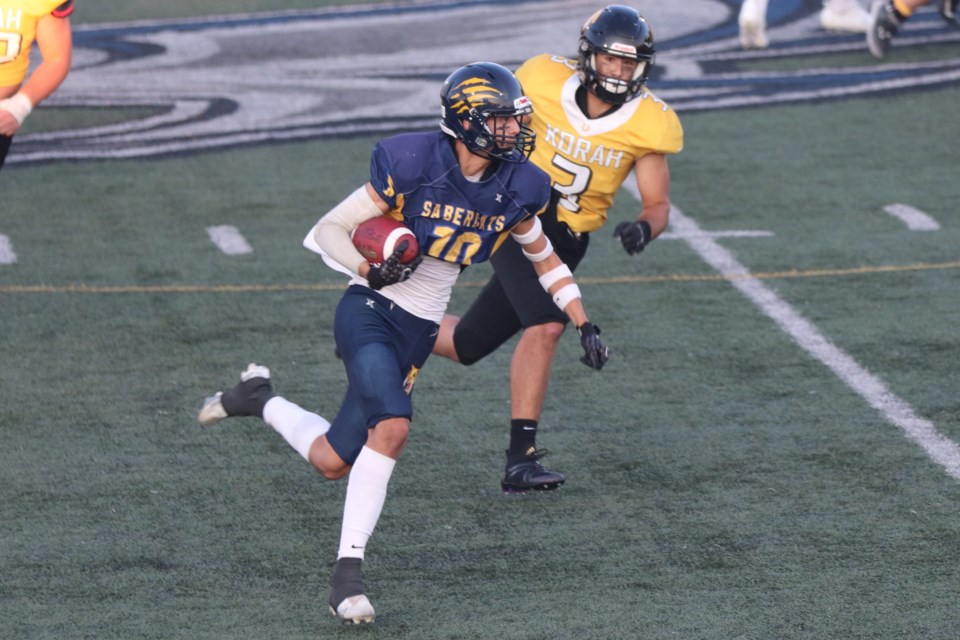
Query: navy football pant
4	148
383	347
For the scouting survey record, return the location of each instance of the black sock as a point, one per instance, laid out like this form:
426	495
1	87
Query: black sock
523	437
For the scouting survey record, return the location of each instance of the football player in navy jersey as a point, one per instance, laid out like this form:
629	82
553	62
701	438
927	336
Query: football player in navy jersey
23	22
462	191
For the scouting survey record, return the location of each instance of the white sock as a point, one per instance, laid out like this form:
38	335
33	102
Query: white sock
759	6
298	426
366	492
840	5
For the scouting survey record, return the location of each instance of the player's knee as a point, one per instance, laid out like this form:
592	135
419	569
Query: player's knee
543	337
389	437
330	469
332	474
326	461
546	335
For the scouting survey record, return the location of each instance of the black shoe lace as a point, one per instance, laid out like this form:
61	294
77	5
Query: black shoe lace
536	455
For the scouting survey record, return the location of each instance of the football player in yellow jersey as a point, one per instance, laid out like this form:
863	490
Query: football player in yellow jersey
887	16
595	122
21	23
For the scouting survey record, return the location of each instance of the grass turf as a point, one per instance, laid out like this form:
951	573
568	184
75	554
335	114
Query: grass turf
722	484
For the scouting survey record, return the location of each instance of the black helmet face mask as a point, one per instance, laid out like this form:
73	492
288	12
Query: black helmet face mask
621	32
617	89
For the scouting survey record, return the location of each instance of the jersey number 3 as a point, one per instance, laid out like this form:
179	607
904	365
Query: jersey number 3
580	180
9	46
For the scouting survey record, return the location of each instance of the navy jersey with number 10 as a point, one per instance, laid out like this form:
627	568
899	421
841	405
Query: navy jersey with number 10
455	220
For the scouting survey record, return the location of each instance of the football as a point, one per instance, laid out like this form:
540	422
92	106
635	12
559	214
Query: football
378	237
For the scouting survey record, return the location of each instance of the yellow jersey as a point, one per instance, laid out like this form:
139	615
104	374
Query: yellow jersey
18	29
588	159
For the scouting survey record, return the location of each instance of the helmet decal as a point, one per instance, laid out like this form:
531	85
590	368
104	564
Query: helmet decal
591	20
475	90
623	48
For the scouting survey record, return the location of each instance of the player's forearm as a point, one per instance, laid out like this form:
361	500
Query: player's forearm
557	279
332	232
657	215
45	79
576	313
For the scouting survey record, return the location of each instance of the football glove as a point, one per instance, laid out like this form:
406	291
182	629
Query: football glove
633	235
392	270
595	352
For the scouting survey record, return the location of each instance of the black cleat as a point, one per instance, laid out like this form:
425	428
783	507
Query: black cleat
348	601
884	24
245	399
526	473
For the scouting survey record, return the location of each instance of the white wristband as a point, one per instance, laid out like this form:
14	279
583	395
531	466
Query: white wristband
539	256
548	279
566	295
18	105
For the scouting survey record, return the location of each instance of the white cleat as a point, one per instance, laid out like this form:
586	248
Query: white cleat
753	24
354	610
844	15
212	410
254	370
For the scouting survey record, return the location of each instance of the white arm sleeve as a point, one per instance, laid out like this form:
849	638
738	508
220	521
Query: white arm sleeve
330	237
566	295
555	275
541	255
529	236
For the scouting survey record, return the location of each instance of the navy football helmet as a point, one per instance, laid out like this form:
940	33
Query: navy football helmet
477	92
621	31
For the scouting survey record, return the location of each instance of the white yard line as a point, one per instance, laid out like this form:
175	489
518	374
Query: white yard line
940	449
673	235
229	240
915	219
7	255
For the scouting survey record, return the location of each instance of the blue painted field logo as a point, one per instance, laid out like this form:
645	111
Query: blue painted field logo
228	81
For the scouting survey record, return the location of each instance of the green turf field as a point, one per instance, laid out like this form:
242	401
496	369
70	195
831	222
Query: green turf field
723	482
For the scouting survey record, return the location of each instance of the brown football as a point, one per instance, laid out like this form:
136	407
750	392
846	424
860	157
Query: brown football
378	237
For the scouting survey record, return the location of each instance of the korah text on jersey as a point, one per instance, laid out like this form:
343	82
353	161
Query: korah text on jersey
581	150
12	20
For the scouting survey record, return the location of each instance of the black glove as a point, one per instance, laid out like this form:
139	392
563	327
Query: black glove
595	352
392	270
633	235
